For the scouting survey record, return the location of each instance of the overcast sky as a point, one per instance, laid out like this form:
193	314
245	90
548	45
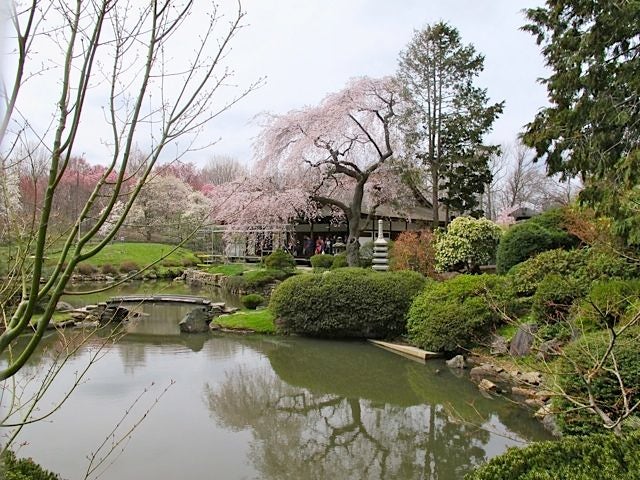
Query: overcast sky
309	48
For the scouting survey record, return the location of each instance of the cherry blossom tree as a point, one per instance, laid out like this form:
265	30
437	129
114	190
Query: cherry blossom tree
335	155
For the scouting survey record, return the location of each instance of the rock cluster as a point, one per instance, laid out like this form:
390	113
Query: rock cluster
198	277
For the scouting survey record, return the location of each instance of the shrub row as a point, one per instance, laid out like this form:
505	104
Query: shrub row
347	302
594	457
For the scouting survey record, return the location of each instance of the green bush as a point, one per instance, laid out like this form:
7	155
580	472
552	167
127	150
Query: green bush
538	234
86	269
252	301
128	266
581	363
554	298
366	254
526	276
12	468
280	260
609	303
339	261
594	457
321	262
455	314
108	269
468	243
187	262
348	302
235	283
260	278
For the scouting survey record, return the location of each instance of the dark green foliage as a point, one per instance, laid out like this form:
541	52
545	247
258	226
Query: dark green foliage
579	366
128	266
252	301
455	314
611	303
527	275
321	262
348	302
554	297
527	239
593	122
594	457
187	262
446	119
253	280
585	265
12	468
280	260
339	261
86	269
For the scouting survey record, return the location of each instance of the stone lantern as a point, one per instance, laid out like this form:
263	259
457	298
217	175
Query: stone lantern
339	246
380	251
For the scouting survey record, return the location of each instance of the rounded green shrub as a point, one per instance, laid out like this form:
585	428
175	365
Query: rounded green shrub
581	372
610	303
252	301
280	260
454	314
339	261
468	243
593	457
526	276
322	261
527	239
554	298
348	302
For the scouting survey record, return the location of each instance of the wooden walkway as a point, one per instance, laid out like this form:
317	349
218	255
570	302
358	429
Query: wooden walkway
406	350
169	298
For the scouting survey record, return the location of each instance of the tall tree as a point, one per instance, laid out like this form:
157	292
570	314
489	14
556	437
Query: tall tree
446	119
592	127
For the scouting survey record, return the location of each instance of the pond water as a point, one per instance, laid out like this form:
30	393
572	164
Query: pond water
239	407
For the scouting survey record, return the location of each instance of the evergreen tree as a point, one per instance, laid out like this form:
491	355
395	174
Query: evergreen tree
445	120
592	127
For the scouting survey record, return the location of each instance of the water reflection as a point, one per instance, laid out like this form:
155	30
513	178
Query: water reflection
317	414
273	408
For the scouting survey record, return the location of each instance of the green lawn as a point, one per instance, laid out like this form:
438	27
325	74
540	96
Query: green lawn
141	254
229	269
260	321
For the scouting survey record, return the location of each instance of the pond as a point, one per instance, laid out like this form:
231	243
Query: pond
264	407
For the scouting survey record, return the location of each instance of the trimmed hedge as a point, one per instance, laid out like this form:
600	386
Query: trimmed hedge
579	363
347	302
554	298
340	261
538	234
280	260
252	301
455	314
594	457
322	261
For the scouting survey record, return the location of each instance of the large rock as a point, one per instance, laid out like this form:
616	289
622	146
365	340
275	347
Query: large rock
549	349
499	345
456	362
523	340
64	306
196	321
114	314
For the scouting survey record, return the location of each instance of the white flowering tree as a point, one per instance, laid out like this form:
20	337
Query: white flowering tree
466	244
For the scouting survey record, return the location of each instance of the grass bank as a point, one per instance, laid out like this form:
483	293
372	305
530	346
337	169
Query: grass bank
259	321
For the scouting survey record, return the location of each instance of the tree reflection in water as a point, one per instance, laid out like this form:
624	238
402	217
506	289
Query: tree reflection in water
310	431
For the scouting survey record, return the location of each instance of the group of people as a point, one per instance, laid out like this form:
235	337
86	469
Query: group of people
321	245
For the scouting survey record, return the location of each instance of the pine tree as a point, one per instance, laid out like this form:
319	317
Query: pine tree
446	118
